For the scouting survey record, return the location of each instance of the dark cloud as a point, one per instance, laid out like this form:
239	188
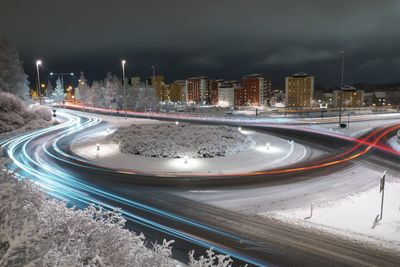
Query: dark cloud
222	38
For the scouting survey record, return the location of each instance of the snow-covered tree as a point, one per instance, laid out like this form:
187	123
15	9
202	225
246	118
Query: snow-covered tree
36	230
143	99
49	89
12	76
113	88
83	89
15	115
58	95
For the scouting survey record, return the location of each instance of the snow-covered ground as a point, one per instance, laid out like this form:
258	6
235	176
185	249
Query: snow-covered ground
355	129
258	157
16	118
180	140
36	230
395	143
355	217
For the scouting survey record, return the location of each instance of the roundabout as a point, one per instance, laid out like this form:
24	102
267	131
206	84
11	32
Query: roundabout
235	151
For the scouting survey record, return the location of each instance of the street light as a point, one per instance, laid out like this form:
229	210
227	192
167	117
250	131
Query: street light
38	63
62	76
154	77
123	62
341	90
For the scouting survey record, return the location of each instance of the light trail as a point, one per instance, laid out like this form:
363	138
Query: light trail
61	184
58	183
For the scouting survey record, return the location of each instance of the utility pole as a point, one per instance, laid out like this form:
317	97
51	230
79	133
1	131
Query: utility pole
341	90
382	190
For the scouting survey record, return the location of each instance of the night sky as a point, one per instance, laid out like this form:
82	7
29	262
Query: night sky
221	39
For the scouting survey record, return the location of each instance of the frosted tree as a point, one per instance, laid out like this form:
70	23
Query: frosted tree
143	99
58	95
83	89
112	90
12	76
49	89
97	96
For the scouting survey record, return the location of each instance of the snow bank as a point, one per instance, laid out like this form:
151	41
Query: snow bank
395	143
36	230
177	141
15	115
354	217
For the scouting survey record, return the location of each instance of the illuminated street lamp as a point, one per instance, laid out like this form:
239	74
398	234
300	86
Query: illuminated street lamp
123	62
268	145
62	76
177	123
38	63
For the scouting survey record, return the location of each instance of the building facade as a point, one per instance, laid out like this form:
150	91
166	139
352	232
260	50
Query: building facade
351	97
214	85
299	90
226	93
159	86
256	90
197	90
176	91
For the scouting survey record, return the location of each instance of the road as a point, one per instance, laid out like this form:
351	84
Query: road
150	207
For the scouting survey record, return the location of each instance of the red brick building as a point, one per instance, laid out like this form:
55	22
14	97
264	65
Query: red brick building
197	90
256	90
214	85
239	96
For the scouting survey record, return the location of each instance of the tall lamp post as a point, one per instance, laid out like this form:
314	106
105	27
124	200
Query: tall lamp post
154	77
38	63
341	90
123	62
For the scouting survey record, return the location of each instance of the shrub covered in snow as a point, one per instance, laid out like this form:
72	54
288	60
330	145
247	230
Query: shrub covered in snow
36	230
14	114
176	141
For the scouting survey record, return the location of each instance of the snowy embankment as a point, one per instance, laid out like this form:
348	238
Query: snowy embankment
36	230
178	141
395	143
16	117
356	217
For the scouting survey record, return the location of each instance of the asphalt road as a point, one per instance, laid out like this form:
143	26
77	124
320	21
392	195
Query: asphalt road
149	206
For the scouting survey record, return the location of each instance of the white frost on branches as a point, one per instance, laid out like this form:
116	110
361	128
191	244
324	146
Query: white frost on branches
58	94
12	76
36	230
15	115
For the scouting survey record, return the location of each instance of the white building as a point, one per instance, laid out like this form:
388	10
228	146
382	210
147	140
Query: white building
226	93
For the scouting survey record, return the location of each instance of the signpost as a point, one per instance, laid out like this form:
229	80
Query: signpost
382	190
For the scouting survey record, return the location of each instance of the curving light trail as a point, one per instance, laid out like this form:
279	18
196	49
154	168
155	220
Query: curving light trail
59	183
31	152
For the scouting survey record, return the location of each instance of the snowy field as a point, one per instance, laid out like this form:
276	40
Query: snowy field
355	217
257	157
180	140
